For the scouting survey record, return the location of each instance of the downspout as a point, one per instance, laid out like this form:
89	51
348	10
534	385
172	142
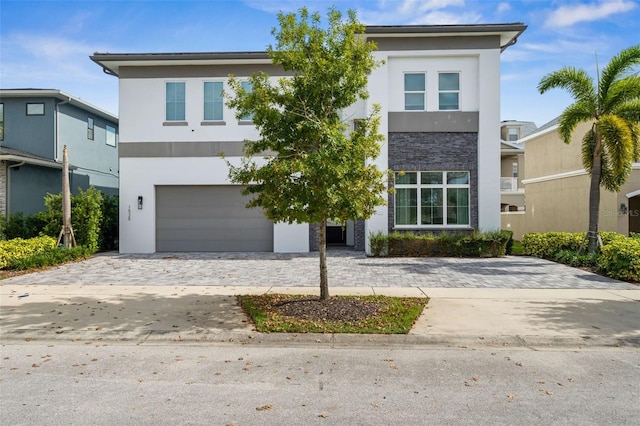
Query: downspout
8	195
56	124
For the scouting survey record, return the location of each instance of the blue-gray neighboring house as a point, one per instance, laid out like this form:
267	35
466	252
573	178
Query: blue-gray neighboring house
35	125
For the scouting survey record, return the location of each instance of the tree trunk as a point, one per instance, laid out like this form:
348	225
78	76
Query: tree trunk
594	195
322	245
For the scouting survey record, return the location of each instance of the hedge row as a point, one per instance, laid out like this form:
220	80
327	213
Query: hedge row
19	254
12	251
619	257
407	244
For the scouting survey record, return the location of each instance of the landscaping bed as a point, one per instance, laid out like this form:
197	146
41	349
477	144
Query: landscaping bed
340	314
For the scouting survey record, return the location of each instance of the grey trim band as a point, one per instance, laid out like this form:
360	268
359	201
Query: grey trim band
437	43
180	149
435	121
203	71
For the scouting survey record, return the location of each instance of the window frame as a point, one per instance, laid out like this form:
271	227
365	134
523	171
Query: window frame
214	120
444	187
413	92
31	105
1	121
175	121
448	91
90	128
107	127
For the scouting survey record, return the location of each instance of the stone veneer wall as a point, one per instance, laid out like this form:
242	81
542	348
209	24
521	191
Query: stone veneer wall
3	188
435	152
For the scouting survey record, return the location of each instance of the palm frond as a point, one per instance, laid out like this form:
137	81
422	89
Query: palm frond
629	110
588	147
615	70
617	142
573	115
576	81
621	92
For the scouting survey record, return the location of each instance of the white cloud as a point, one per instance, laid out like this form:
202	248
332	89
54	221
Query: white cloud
574	13
417	12
503	7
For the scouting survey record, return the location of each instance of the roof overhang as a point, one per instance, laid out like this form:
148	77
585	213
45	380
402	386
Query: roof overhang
112	62
508	33
26	159
58	94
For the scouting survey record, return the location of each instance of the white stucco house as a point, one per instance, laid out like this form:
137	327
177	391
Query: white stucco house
439	90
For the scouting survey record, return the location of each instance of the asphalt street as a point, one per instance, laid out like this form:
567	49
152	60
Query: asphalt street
92	383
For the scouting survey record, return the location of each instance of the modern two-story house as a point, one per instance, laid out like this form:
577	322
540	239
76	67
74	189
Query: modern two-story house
35	125
439	92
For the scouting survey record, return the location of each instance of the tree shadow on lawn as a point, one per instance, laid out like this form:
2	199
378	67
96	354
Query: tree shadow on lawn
619	319
134	316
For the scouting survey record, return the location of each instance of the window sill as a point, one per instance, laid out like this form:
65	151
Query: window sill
213	123
245	123
175	123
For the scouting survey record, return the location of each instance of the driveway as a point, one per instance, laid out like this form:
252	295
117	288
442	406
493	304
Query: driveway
346	269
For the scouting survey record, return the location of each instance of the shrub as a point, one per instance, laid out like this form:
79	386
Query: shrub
13	250
548	244
50	256
86	214
407	244
575	259
109	224
620	259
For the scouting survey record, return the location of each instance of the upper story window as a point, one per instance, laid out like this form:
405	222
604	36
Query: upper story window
90	128
35	109
247	87
213	102
175	101
414	91
110	135
1	122
514	134
432	199
449	91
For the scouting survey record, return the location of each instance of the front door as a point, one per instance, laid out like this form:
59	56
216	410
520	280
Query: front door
634	214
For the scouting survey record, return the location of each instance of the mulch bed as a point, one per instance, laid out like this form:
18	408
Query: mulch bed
333	309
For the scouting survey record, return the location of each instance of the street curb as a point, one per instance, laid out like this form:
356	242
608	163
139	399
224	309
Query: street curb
338	340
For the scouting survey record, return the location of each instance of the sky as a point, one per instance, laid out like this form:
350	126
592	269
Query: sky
47	44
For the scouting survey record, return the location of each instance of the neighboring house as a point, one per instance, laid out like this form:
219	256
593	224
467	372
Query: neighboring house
557	187
35	126
512	197
439	95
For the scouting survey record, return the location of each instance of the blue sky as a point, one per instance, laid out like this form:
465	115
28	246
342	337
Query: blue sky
46	44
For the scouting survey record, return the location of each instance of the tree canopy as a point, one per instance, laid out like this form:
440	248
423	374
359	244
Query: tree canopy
317	162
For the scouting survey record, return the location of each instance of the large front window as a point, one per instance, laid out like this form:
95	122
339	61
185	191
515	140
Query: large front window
432	199
175	101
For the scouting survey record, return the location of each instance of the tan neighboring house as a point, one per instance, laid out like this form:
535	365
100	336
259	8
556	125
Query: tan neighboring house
512	196
557	188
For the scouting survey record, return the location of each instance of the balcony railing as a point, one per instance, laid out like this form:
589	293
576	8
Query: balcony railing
508	184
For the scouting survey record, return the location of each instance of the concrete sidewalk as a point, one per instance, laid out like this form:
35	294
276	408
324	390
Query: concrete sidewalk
536	318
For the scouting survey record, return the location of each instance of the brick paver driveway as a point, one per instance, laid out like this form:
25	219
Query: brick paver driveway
346	268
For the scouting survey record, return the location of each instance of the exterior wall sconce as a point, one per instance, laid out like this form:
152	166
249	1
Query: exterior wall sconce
139	202
623	208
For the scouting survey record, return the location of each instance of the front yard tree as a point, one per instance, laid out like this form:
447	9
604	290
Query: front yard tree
317	168
612	104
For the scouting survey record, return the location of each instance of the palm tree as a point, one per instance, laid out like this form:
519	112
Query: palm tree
612	105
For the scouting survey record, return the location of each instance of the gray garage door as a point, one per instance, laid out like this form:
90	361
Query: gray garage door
209	218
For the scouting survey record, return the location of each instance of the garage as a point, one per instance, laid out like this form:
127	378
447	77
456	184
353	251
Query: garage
209	218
